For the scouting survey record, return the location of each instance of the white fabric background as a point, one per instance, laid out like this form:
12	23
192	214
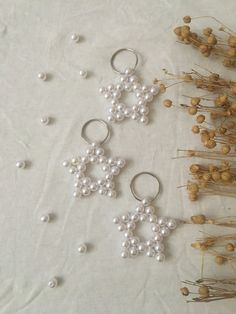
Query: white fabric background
35	36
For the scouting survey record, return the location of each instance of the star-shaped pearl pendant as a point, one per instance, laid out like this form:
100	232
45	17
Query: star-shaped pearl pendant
160	228
84	185
130	83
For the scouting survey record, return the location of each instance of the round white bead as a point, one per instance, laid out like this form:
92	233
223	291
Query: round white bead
83	73
124	254
146	201
116	220
150	252
165	231
82	248
65	163
160	257
171	224
75	37
21	164
45	120
42	76
45	218
52	283
159	247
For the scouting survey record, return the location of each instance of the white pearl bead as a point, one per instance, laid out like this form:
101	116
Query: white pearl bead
121	227
115	170
127	112
162	221
159	247
76	194
85	191
111	193
82	248
83	74
139	208
111	118
125	244
158	238
154	90
153	218
171	224
142	247
45	120
45	218
164	231
144	120
106	168
21	164
129	71
134	217
146	201
65	163
102	90
84	159
148	97
149	210
134	241
120	163
155	228
133	252
42	76
130	225
149	242
150	252
75	37
160	257
124	254
128	234
93	186
116	220
52	283
142	217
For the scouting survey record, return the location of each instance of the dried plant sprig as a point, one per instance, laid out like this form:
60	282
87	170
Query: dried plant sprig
213	244
201	79
209	289
209	155
210	41
200	219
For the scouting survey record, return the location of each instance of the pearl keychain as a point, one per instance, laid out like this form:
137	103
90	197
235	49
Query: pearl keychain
85	185
144	212
128	82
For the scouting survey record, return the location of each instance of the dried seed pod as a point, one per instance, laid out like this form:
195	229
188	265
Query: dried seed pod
203	291
226	176
167	103
230	247
187	19
195	129
195	101
207	31
225	149
194	168
220	260
200	118
192	110
198	219
184	291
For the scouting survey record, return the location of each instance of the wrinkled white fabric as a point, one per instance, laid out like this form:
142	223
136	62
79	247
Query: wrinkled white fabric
34	37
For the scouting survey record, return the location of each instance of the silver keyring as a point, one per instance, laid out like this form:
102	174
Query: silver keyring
119	51
85	137
133	181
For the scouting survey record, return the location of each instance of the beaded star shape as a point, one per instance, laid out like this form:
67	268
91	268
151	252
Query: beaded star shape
130	83
160	227
85	185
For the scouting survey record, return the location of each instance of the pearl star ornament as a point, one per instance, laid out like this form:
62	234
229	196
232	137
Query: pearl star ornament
84	185
129	83
132	245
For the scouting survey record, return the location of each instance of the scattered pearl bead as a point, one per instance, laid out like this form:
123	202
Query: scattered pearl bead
45	120
53	283
42	76
65	163
82	249
45	218
21	164
83	74
75	37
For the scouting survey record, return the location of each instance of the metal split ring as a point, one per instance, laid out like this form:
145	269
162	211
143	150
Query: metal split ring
87	139
115	69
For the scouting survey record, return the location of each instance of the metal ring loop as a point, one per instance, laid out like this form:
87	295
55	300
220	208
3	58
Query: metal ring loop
133	181
83	133
119	51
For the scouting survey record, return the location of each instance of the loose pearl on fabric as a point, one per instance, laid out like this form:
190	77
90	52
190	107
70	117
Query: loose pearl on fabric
83	74
75	37
45	218
21	164
45	120
82	249
65	163
42	76
53	283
